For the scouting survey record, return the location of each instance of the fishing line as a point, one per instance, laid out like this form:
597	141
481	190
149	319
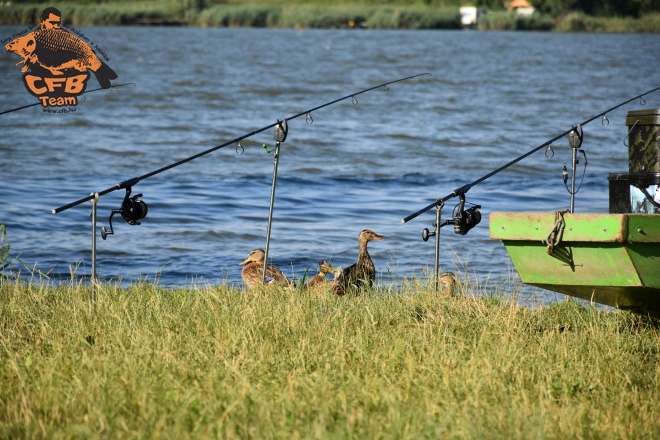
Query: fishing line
460	192
88	91
307	113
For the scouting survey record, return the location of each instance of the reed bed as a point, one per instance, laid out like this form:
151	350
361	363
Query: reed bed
309	16
573	22
577	22
104	14
215	361
505	21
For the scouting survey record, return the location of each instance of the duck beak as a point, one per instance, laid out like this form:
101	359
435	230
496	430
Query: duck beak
246	261
378	237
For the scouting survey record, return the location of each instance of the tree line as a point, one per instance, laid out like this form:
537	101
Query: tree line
597	8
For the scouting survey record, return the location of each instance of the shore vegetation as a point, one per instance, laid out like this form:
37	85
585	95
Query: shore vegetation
212	361
561	16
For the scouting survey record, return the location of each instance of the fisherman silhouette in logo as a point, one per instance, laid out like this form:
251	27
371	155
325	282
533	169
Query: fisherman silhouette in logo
52	51
51	18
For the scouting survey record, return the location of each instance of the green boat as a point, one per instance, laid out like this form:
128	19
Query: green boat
612	259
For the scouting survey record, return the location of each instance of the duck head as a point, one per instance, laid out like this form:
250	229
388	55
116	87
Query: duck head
256	256
367	235
326	267
448	282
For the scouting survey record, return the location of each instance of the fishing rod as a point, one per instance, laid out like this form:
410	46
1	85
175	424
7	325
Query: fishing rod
133	209
465	188
464	220
308	113
88	91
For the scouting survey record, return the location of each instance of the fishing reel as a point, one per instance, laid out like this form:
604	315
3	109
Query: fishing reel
132	209
467	219
463	222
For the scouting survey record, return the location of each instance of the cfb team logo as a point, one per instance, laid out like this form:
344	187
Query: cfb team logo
56	63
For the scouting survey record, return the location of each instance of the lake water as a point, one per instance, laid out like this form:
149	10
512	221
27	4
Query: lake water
491	97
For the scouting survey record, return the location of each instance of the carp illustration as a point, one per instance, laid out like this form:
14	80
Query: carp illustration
56	50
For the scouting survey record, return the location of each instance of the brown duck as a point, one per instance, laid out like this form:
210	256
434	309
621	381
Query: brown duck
317	282
253	271
360	274
448	282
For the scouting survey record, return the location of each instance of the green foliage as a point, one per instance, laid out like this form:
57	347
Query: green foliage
20	14
578	22
414	18
319	17
330	16
553	8
394	14
210	362
602	8
649	23
239	15
507	21
82	14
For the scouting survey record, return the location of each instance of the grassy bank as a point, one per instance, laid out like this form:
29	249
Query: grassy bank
218	362
274	14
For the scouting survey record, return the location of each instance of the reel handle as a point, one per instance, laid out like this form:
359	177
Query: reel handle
426	234
105	232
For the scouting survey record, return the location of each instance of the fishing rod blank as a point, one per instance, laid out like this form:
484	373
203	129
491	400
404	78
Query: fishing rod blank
466	219
465	188
306	113
88	91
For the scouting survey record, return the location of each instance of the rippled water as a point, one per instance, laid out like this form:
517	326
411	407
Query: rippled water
492	97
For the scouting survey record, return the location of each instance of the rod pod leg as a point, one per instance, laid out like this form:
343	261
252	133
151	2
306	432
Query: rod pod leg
575	141
270	212
436	270
574	167
92	280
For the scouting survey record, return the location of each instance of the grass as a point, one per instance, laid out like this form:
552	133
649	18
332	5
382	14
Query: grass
213	361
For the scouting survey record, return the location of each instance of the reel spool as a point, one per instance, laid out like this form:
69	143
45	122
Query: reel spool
132	210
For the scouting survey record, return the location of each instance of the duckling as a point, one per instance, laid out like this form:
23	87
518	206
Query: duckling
362	273
448	282
317	281
253	271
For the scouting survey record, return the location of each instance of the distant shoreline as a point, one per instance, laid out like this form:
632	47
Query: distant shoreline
323	17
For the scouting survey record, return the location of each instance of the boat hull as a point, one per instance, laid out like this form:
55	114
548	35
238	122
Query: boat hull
612	259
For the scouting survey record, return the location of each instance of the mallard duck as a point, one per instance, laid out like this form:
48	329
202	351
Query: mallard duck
253	271
448	282
362	273
317	281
